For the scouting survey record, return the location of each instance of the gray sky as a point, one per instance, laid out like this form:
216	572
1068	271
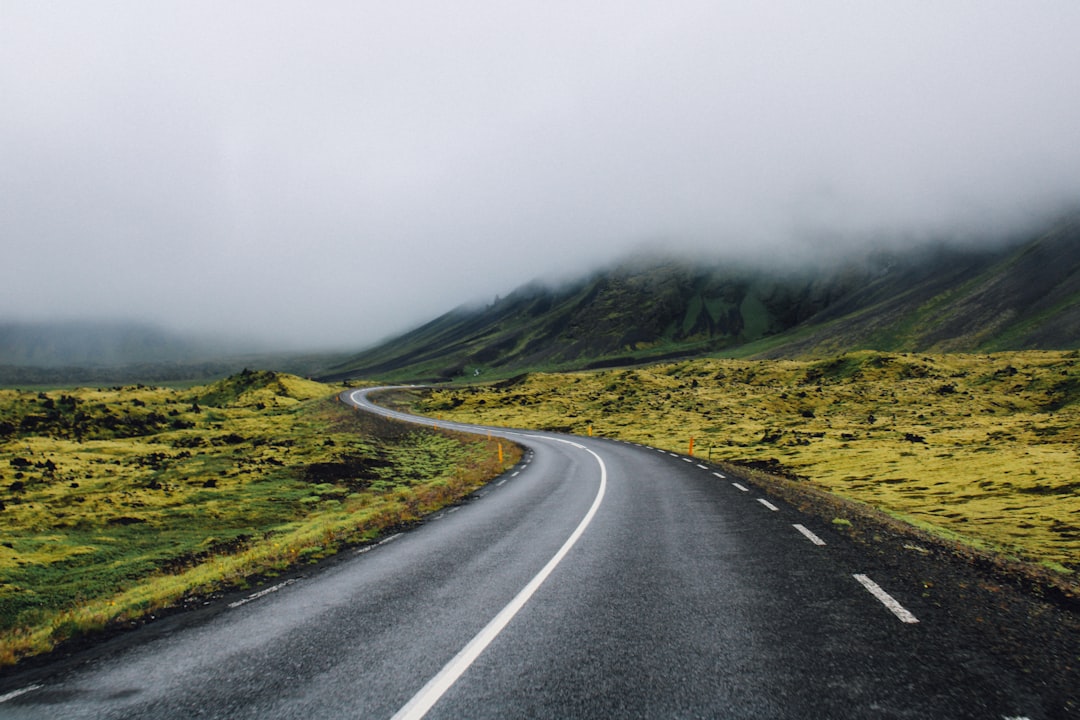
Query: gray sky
329	173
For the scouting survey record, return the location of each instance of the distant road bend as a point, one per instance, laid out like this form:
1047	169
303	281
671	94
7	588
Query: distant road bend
596	579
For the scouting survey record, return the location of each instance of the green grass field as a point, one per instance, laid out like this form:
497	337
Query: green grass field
979	448
115	503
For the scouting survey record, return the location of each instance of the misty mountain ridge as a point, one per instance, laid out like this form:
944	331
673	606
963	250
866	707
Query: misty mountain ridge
647	307
119	352
99	344
943	298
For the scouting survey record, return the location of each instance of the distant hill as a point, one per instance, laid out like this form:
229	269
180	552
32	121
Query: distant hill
1025	295
108	353
94	344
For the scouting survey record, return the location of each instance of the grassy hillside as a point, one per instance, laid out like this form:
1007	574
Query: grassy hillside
938	299
982	448
1023	297
119	502
640	311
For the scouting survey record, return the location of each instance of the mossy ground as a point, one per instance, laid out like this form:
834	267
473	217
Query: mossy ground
982	448
117	502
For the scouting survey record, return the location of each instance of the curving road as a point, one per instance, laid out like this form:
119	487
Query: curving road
596	579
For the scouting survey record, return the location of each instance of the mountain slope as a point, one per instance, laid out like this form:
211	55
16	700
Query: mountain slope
634	313
944	299
1019	297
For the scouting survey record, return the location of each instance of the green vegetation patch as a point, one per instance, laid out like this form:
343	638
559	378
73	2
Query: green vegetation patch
979	447
115	502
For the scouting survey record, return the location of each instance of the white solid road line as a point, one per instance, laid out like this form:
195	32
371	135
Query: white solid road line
886	599
809	534
768	504
435	688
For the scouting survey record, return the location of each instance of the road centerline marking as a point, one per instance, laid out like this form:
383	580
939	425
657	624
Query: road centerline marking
809	534
768	504
886	599
740	487
435	688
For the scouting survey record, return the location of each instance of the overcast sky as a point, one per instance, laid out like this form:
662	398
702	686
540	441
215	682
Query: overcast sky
332	172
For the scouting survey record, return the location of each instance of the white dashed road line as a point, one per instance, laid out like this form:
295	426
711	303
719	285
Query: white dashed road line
768	504
262	593
809	534
740	487
886	599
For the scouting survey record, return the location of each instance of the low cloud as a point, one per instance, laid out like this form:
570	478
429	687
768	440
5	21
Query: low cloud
328	175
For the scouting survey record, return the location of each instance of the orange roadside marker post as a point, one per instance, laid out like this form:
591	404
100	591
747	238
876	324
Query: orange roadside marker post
691	447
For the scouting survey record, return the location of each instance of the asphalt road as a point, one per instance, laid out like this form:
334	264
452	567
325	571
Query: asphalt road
596	579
